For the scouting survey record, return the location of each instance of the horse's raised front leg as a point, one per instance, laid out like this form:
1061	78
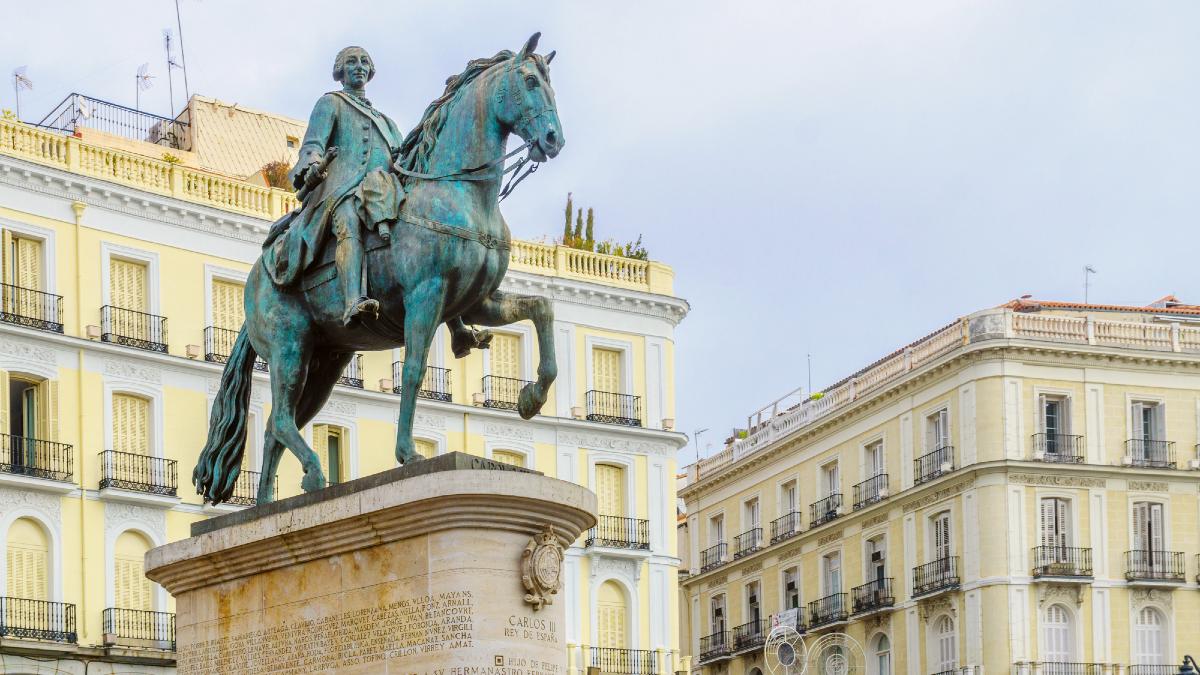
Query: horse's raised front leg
500	309
422	314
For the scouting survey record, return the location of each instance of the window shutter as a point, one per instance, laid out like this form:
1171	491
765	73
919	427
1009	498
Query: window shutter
1041	402
425	448
1159	420
1156	528
228	308
611	610
1140	536
320	446
508	457
610	489
505	356
47	392
606	370
1047	522
7	273
131	421
1062	525
1135	414
127	284
941	536
943	428
29	264
4	408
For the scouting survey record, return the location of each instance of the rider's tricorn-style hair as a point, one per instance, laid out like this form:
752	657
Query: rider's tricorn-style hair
339	62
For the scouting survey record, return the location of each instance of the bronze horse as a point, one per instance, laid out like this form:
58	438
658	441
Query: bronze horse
443	264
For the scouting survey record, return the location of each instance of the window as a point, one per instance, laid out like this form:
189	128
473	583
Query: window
21	266
292	141
882	656
610	490
753	609
876	463
1148	527
750	514
128	284
791	588
944	651
717	613
937	430
876	556
830	484
1149	638
425	447
1057	635
131	588
1149	422
789	498
508	457
28	559
606	370
1055	522
130	424
940	544
716	530
228	307
505	356
329	443
831	573
28	408
1054	419
612	617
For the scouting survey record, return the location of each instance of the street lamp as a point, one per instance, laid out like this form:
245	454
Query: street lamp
1188	667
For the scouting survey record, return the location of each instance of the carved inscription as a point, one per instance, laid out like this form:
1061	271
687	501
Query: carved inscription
788	554
1148	486
407	627
875	520
830	538
753	567
1050	479
937	496
718	581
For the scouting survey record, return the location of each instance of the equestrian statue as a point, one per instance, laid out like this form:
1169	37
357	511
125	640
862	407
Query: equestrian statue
393	237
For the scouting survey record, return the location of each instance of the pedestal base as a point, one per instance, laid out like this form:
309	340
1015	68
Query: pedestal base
422	569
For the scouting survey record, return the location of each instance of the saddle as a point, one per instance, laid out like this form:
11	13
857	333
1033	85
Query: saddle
323	270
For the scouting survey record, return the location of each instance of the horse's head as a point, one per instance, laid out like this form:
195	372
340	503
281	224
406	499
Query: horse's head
528	102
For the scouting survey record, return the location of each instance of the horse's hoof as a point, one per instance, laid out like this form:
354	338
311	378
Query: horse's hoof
313	480
530	400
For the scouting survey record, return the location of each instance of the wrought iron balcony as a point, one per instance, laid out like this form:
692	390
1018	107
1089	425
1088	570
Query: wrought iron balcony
78	111
140	473
1155	566
623	661
502	392
1063	448
30	308
1058	668
747	542
871	490
138	628
613	408
1062	561
939	575
620	532
785	527
713	557
218	344
37	620
933	464
873	595
714	647
352	376
434	386
1156	669
131	328
36	458
824	510
245	488
750	635
829	609
1150	454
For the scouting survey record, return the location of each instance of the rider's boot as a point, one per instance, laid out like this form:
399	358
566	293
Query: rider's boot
349	257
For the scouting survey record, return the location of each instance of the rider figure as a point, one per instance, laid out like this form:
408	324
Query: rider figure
358	191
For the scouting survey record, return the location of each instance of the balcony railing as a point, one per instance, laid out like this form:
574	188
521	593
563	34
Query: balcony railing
37	620
1154	566
218	344
613	408
1156	669
245	488
939	575
1062	561
1150	454
933	464
715	646
30	308
873	595
140	473
78	111
352	376
747	542
750	635
131	328
502	392
624	661
871	490
35	458
785	527
138	628
620	532
434	386
713	557
827	610
824	510
1063	448
1058	668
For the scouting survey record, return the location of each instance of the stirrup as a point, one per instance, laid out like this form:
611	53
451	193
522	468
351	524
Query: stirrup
361	306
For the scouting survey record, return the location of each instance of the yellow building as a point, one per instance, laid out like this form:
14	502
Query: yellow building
1016	492
122	279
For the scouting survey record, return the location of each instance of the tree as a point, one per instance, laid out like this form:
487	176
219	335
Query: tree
579	228
589	240
567	224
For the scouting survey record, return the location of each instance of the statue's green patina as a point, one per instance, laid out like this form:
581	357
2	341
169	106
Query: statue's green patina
417	240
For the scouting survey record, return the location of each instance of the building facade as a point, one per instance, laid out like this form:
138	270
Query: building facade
122	281
1017	492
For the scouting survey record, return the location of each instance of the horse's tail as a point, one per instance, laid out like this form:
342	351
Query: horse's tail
221	460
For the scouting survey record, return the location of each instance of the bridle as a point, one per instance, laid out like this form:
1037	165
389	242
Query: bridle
484	171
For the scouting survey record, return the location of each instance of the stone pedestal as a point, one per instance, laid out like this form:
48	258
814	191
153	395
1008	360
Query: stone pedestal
450	563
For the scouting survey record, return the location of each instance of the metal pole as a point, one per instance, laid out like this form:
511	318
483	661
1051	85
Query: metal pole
696	440
17	94
182	56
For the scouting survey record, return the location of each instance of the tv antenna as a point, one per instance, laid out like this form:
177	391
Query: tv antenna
187	93
20	81
143	82
1088	271
785	652
168	38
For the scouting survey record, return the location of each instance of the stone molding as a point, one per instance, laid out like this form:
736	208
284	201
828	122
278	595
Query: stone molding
130	370
29	352
118	516
938	496
501	430
1067	593
597	441
1148	486
46	505
1055	480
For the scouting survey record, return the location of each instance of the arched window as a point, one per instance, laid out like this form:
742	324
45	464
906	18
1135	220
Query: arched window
610	490
1057	635
881	656
131	588
28	558
944	648
1150	638
509	457
612	617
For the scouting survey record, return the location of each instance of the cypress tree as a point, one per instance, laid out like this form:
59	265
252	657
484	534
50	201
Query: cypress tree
579	227
590	242
567	224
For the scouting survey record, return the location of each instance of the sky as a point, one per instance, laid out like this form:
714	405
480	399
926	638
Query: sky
826	178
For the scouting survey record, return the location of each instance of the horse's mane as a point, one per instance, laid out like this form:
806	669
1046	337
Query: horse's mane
418	146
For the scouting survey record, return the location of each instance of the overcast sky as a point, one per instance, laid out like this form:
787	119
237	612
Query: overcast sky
834	178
